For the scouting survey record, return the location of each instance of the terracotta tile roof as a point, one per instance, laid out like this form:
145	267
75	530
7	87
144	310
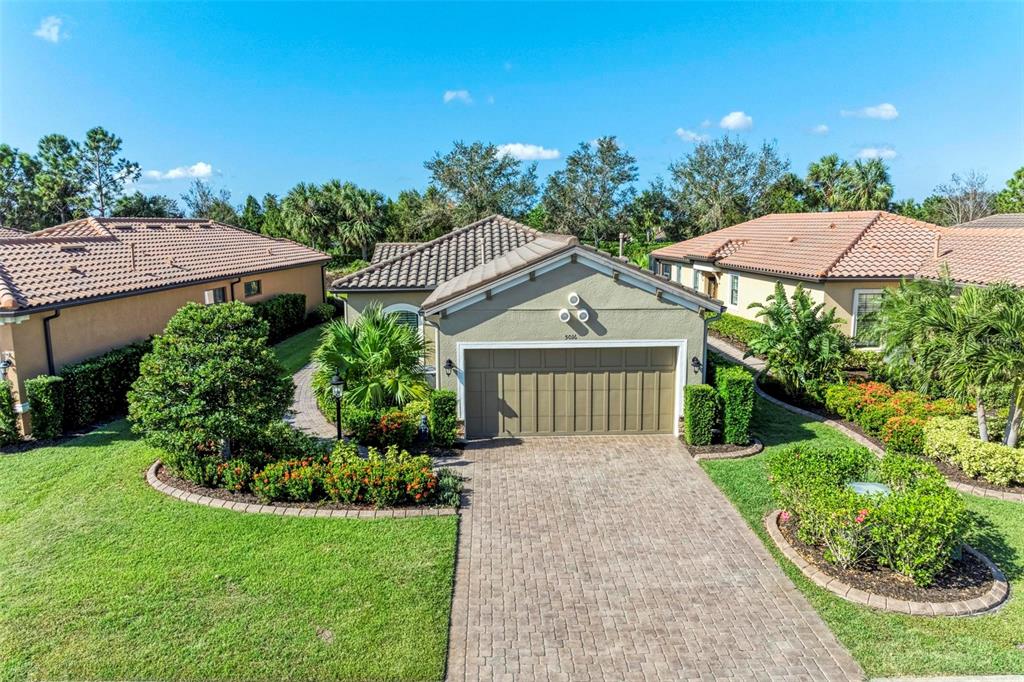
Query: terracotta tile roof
997	220
387	250
431	263
978	256
6	232
858	245
96	257
543	247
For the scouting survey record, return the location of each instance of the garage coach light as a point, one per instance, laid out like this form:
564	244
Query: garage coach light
564	315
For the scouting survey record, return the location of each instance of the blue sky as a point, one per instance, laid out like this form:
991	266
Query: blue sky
260	96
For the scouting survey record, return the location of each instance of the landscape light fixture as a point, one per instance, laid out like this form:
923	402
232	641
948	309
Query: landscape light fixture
337	388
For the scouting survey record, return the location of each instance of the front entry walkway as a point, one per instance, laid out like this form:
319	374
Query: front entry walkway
616	558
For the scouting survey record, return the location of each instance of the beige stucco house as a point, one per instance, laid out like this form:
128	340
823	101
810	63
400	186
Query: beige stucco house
844	260
76	290
539	334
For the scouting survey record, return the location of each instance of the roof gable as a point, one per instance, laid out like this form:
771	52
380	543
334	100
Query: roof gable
429	264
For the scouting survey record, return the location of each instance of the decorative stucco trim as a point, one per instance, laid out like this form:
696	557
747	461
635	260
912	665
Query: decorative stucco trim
989	601
289	510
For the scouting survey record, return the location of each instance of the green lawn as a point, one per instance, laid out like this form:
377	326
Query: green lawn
294	351
889	644
102	577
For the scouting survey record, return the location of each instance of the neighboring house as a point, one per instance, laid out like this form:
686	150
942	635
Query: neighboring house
998	221
539	334
387	250
844	260
76	290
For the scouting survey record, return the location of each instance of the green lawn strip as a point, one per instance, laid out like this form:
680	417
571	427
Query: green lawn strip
295	351
102	577
889	644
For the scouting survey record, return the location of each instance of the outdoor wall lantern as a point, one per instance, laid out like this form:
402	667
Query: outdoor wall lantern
448	367
574	299
696	364
563	315
337	388
5	364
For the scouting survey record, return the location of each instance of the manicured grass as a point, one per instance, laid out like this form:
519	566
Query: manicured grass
294	352
102	577
889	644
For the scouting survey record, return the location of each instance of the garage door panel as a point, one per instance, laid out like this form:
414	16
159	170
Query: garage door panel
569	391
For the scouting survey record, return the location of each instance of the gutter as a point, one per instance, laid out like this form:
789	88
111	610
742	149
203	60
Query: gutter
51	367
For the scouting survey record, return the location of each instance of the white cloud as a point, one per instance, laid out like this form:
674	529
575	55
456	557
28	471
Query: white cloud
457	96
689	136
877	153
883	111
706	123
820	129
200	169
51	29
528	152
737	120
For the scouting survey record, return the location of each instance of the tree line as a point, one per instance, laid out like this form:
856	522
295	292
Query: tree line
594	196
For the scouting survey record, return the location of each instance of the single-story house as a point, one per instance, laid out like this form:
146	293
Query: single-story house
844	260
73	291
540	334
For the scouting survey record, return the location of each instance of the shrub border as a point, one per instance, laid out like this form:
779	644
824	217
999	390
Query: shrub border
289	510
989	601
755	447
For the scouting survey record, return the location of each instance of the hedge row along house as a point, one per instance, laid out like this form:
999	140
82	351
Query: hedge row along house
540	334
76	290
844	260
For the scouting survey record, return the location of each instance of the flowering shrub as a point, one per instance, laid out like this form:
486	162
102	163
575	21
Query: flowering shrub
872	404
381	428
904	435
914	530
235	474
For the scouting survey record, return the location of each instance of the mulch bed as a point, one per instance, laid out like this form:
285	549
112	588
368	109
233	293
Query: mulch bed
956	474
165	476
715	448
965	578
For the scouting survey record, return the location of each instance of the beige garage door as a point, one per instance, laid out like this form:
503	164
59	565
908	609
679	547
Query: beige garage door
562	391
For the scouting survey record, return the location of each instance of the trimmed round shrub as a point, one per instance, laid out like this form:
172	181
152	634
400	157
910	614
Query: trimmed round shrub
843	400
904	435
323	312
954	440
873	417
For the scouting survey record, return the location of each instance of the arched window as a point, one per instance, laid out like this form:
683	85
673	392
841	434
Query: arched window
408	314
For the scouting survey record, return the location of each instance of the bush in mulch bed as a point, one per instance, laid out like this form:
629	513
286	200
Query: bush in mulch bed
915	529
955	441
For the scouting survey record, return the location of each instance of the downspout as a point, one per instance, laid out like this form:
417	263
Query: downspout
51	367
323	283
704	362
231	286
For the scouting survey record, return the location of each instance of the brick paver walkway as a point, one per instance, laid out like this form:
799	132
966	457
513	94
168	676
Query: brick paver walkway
616	558
304	414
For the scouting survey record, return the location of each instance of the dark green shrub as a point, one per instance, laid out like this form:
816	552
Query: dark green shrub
843	400
96	389
918	530
736	389
279	441
796	469
9	433
449	488
361	423
701	410
735	328
443	418
210	383
284	315
900	471
904	435
46	404
872	418
197	467
323	312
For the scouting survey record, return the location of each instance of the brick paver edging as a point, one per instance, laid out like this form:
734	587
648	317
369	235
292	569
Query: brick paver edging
966	607
288	510
755	447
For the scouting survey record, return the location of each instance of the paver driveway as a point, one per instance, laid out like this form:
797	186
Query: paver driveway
616	558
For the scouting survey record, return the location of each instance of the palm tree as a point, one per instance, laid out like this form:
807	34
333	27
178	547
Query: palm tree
378	358
363	213
865	186
825	181
1005	360
305	215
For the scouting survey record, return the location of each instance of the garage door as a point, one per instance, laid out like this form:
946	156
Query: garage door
563	391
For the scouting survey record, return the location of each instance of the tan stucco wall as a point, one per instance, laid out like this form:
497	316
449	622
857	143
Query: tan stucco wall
839	294
529	312
87	330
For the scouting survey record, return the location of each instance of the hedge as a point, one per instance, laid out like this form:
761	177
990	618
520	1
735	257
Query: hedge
46	397
701	408
323	312
284	313
955	441
95	389
9	433
443	418
735	328
736	388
